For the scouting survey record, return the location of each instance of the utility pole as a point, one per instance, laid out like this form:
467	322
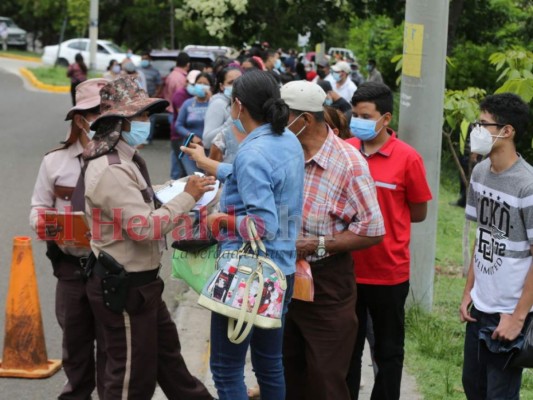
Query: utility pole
93	33
172	19
421	117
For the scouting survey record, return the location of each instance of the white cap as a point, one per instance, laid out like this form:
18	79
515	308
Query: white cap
342	66
192	75
303	96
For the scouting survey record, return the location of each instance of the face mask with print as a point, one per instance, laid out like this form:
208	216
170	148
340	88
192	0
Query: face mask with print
336	76
481	140
115	69
238	123
364	129
138	134
228	90
293	121
145	63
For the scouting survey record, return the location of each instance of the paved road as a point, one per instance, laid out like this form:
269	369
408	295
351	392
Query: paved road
31	123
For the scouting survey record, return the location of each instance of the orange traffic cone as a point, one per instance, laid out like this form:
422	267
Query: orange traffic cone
24	347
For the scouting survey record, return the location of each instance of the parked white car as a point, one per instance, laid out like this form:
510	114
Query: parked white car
106	51
16	37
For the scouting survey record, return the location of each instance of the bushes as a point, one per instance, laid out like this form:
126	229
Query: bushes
376	38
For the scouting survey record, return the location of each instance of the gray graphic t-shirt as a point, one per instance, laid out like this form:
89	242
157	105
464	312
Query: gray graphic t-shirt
502	206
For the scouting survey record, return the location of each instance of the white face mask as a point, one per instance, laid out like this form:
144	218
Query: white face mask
293	121
481	140
90	133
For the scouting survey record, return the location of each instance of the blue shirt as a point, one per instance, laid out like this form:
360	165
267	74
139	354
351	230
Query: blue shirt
266	181
191	118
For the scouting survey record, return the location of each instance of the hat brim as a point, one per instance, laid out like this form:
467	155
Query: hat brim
84	105
140	106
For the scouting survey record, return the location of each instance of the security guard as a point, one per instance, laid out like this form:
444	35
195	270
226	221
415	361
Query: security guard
58	175
140	339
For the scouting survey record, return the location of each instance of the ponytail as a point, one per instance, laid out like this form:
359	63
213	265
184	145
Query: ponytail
276	112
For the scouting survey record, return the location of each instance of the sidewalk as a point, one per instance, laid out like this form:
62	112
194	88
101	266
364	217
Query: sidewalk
193	326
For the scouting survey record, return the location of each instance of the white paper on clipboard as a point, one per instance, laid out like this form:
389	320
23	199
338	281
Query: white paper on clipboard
168	192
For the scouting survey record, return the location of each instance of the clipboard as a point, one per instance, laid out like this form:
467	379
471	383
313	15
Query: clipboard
74	229
168	192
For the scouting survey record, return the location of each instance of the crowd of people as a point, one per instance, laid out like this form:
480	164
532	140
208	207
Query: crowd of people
315	159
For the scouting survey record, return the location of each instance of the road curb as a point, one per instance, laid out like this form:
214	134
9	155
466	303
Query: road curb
26	73
21	58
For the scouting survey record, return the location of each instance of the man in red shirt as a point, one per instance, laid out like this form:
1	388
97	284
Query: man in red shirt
177	79
382	271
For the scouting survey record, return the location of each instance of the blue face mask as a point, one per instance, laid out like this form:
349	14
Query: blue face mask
328	102
237	122
197	89
336	76
364	129
228	90
369	67
277	64
145	63
139	132
129	54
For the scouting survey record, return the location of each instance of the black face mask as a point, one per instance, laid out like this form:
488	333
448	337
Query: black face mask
321	73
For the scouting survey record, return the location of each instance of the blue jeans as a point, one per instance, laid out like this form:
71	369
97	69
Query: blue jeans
228	359
485	375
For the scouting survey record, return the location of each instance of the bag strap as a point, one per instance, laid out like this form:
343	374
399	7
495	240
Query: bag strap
255	240
235	326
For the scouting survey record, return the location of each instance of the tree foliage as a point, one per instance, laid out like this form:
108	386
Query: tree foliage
517	65
276	21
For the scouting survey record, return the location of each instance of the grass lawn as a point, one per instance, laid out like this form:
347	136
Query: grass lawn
434	342
22	53
56	75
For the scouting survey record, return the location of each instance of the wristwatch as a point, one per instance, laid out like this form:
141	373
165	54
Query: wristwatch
321	248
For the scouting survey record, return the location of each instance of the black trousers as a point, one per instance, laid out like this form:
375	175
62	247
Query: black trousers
142	346
319	336
385	305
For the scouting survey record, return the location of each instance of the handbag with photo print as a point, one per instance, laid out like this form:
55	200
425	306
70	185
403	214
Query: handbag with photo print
247	287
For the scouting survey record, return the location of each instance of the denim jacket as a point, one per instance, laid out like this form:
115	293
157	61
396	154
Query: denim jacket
266	182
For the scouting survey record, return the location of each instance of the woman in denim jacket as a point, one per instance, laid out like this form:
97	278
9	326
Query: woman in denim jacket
265	182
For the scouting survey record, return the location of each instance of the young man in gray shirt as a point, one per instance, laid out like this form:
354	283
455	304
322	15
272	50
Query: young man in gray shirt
498	296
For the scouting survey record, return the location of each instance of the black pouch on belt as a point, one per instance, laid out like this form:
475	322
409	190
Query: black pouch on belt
114	283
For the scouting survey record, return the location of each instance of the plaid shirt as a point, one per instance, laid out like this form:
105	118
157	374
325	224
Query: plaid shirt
339	193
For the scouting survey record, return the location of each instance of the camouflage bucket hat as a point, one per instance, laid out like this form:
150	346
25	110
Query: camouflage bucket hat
124	98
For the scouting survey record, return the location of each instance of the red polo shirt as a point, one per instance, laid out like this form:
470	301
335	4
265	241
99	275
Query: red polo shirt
400	177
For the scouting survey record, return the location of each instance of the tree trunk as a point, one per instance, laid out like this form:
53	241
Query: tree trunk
456	9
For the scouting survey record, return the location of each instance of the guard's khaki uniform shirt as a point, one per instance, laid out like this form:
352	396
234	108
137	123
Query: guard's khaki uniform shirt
113	193
58	168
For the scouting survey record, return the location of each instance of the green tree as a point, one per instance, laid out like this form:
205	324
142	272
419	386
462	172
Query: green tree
517	65
377	38
277	21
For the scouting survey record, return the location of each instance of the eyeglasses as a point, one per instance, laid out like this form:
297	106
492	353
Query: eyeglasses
479	123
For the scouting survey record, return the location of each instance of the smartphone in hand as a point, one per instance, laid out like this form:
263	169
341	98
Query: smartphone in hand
186	144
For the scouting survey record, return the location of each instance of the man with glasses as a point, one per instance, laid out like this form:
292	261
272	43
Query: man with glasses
498	296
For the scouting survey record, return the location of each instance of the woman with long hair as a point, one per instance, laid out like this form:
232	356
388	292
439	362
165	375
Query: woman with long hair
265	182
77	72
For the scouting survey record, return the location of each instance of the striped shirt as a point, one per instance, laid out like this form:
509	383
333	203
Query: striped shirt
339	193
502	206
